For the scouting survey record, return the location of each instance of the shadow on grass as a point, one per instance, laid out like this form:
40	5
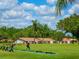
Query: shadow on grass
41	52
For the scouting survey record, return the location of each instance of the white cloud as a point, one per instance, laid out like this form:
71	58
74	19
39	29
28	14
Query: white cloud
51	1
49	18
71	11
41	10
76	5
62	12
28	5
6	4
17	12
44	10
13	14
74	9
52	9
29	17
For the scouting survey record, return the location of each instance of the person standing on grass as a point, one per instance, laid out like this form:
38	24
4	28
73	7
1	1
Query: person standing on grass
28	45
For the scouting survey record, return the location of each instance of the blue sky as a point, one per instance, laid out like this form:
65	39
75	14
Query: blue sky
37	2
20	13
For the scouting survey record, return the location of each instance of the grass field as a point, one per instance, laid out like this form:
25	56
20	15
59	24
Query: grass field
63	51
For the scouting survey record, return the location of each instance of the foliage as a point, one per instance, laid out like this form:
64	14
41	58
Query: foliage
61	4
70	24
57	35
35	30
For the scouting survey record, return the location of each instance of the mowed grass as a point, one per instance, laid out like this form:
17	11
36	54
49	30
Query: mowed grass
63	51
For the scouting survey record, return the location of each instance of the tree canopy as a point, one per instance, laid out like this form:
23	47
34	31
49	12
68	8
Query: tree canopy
70	24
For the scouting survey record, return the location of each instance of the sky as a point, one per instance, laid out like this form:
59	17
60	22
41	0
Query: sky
20	13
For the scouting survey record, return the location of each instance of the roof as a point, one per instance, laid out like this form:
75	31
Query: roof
68	39
27	39
35	39
45	39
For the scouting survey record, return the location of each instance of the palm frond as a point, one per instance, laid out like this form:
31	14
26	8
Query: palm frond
62	4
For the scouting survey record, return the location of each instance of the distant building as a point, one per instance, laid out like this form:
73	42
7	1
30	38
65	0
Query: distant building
6	40
69	40
35	40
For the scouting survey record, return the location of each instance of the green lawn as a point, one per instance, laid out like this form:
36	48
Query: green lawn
63	51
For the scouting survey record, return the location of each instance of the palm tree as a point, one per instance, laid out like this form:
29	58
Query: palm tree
34	27
62	4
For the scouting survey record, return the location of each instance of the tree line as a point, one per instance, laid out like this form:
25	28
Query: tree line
38	30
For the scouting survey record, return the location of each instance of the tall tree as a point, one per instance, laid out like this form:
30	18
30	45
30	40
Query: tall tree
34	27
70	24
